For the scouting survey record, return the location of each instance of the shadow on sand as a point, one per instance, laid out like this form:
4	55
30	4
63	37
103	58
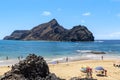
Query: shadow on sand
76	78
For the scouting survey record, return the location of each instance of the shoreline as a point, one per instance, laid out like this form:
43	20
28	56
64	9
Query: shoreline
11	62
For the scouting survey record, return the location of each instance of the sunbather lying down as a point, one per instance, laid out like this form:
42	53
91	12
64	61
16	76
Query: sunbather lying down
116	64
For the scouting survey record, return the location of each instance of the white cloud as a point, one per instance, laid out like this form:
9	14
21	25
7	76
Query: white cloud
46	13
86	14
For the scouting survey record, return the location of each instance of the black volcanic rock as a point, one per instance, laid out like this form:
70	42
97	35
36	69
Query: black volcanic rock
52	31
32	68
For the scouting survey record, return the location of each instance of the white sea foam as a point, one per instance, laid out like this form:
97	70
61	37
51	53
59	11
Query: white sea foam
8	62
70	58
84	51
1	61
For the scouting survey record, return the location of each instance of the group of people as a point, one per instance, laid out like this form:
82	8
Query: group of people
66	60
19	57
88	72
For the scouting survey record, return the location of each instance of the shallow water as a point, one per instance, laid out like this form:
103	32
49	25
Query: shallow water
53	51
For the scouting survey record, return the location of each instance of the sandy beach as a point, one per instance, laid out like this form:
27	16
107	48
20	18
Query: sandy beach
72	69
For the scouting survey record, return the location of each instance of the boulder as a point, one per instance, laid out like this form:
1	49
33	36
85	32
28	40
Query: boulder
32	68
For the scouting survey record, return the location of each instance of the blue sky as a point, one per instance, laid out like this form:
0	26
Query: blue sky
102	17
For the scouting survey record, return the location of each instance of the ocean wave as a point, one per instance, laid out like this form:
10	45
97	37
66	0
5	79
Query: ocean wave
84	51
8	62
90	51
1	61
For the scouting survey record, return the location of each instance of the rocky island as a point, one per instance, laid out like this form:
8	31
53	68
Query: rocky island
52	31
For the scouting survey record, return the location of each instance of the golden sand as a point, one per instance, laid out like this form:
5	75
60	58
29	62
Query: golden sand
72	69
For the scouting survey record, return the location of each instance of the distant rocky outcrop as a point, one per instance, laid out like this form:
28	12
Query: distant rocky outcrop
18	35
98	52
52	31
32	68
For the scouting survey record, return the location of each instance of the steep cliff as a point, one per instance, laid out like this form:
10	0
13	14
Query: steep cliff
52	31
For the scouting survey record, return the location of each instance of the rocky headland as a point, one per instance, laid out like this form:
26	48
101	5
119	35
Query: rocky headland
52	31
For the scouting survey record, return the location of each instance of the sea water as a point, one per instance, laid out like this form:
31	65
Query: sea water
53	50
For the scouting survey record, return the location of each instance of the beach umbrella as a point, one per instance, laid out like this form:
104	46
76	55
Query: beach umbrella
83	69
99	68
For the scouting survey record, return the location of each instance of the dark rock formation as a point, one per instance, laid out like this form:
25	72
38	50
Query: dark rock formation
52	31
78	33
32	68
18	35
98	52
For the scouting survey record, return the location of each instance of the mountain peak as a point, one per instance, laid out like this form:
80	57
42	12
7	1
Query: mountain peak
53	22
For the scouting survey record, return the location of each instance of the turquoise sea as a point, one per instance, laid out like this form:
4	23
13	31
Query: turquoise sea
52	50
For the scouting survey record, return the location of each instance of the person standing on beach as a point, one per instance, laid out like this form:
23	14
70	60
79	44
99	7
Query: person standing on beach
66	59
57	61
19	58
105	72
87	71
101	57
90	72
6	57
